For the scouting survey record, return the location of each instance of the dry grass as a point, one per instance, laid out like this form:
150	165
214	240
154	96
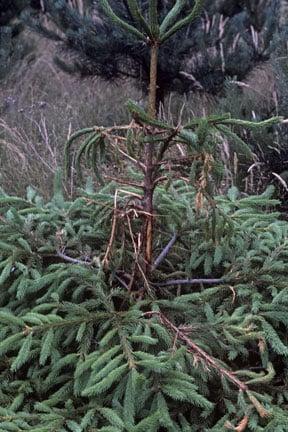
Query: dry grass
39	108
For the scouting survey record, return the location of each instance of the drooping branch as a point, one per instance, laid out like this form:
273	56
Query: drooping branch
195	349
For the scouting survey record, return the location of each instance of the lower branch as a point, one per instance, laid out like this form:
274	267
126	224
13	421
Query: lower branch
190	282
125	182
73	260
195	349
164	252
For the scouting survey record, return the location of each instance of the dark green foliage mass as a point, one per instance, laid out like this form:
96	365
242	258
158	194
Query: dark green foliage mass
229	39
9	9
90	340
81	353
12	47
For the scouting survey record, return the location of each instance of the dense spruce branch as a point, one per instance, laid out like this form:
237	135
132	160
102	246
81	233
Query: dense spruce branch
112	336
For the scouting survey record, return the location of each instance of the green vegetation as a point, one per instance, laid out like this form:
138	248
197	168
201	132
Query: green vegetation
147	301
81	350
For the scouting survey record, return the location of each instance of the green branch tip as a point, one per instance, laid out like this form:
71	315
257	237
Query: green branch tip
138	17
171	17
118	21
195	12
153	18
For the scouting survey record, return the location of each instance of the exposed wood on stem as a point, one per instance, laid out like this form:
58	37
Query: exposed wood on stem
153	80
149	167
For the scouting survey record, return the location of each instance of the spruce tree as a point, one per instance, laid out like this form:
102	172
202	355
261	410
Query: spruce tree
150	303
229	39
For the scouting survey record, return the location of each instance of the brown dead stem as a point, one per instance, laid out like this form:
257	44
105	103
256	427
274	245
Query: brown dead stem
199	352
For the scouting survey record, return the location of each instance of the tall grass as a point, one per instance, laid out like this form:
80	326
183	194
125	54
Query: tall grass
39	108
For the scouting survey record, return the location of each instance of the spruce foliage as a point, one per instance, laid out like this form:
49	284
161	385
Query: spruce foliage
148	303
80	351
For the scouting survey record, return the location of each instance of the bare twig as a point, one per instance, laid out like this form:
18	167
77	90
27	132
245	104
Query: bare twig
164	252
73	260
136	254
194	348
122	282
191	282
125	182
135	161
166	143
113	229
281	180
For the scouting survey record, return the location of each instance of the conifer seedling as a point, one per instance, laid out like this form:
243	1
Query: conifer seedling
154	139
148	304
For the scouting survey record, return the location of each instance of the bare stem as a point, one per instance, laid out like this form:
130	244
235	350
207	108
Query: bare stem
73	260
153	80
149	167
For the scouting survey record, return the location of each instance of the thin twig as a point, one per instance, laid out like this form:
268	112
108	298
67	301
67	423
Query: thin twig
136	252
191	282
178	161
73	260
113	229
131	193
131	125
193	348
127	156
122	282
166	143
174	176
125	182
160	179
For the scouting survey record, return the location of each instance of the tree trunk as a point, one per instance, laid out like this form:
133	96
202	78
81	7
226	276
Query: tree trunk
149	173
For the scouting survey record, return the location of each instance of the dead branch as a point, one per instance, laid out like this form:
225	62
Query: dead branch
195	349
